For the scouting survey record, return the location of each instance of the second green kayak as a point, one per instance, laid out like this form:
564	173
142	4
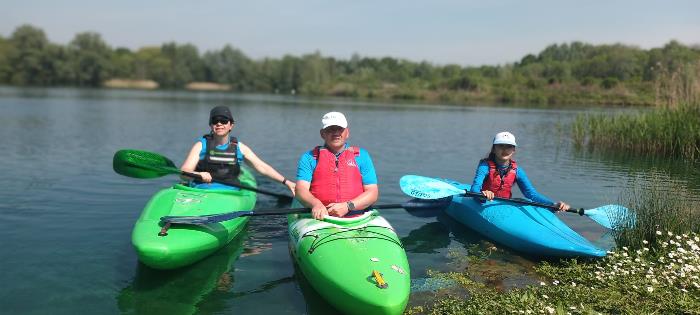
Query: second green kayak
186	244
357	264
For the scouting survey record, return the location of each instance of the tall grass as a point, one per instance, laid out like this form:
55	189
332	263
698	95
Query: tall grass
671	132
660	204
672	129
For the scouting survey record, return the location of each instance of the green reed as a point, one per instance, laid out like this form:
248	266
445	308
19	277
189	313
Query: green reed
660	204
672	129
670	132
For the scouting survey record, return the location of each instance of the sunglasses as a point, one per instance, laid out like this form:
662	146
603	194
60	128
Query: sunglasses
222	121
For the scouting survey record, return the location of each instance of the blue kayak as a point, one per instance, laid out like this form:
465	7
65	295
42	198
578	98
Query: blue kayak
529	229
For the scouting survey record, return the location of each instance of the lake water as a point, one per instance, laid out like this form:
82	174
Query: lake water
67	217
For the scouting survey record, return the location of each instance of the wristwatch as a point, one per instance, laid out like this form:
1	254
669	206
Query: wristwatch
351	206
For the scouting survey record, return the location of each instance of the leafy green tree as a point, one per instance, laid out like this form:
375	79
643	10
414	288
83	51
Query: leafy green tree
123	64
314	73
672	57
616	61
90	59
231	66
186	65
28	58
150	64
565	52
527	60
556	72
425	71
464	82
450	71
288	76
491	72
6	50
57	67
266	78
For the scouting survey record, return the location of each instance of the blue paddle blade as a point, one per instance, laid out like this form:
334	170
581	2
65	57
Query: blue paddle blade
611	216
427	188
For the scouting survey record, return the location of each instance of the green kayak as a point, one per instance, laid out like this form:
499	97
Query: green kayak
186	244
357	264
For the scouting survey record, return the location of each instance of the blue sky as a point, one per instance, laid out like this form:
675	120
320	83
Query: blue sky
461	32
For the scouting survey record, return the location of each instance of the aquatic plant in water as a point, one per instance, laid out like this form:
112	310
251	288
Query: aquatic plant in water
656	278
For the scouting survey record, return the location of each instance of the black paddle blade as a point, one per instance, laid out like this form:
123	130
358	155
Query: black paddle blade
142	164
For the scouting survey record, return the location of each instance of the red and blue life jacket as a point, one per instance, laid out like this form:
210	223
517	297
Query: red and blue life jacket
336	179
500	185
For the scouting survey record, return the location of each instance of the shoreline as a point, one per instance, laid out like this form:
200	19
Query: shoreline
422	98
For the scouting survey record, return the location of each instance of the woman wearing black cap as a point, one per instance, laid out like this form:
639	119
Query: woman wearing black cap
218	155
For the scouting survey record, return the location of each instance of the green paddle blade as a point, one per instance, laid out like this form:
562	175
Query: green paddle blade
142	164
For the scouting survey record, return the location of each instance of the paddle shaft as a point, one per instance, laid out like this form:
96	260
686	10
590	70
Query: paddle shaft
214	218
230	183
278	211
579	211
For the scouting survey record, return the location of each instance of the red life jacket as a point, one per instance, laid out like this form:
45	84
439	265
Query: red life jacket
501	187
336	180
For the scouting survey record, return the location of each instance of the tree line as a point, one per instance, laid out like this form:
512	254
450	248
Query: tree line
561	73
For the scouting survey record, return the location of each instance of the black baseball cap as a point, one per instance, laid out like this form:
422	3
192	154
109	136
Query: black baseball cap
221	111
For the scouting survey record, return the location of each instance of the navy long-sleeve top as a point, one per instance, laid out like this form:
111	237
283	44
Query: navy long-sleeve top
520	177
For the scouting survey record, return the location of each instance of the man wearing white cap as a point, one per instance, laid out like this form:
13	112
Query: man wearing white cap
335	178
497	173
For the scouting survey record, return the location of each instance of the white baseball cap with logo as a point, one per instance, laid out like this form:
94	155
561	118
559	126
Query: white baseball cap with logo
334	119
504	137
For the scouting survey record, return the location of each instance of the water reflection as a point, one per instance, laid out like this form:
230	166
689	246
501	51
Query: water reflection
265	287
427	238
180	291
315	304
433	236
484	261
679	171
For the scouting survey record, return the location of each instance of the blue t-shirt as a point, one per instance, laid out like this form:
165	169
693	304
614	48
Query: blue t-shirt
307	165
520	177
202	153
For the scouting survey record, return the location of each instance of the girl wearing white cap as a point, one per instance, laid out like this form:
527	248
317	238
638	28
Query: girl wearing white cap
497	173
218	155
